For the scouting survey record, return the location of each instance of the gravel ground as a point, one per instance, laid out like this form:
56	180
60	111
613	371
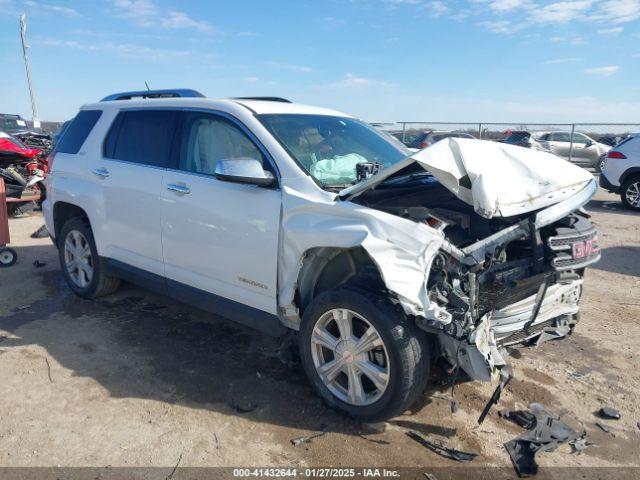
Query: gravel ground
135	379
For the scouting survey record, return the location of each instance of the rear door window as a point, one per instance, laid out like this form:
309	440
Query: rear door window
142	136
78	131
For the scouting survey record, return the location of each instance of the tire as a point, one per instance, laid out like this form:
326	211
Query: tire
78	232
400	361
630	193
8	257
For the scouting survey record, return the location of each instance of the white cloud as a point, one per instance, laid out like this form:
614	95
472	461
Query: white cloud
603	71
351	80
290	66
333	21
610	31
50	7
251	79
508	5
617	11
125	50
145	13
437	8
560	12
499	26
558	61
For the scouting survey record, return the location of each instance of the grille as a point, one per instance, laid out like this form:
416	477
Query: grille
521	336
562	250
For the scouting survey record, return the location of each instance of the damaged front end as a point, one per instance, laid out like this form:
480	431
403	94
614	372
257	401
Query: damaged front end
496	280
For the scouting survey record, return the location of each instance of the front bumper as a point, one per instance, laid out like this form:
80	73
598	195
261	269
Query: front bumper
560	301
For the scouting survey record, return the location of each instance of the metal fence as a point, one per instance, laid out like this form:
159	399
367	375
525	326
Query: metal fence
607	133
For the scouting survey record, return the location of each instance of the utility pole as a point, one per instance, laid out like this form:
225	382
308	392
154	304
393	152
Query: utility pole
25	48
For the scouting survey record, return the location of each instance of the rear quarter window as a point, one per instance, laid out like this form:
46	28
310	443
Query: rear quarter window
78	130
142	136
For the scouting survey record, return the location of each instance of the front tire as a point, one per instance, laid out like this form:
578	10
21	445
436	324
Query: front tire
82	267
630	193
362	355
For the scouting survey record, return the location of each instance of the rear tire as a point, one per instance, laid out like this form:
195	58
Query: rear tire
372	384
82	267
630	193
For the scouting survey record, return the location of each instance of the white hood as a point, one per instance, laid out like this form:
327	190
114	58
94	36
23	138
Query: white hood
498	179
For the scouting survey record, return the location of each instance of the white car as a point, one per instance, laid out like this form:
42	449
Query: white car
621	171
302	220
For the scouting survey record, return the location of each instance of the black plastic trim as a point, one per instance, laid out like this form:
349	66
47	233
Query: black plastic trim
260	320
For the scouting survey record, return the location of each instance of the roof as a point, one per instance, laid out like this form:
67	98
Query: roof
256	106
262	107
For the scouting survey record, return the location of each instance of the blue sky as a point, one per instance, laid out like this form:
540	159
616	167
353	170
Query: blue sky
383	60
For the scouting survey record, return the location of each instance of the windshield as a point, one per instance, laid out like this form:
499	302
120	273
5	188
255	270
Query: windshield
329	148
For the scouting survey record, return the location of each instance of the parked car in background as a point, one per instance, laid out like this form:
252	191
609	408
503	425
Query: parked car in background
308	223
17	127
621	171
425	139
585	151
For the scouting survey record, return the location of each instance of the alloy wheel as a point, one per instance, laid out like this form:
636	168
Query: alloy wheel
632	194
78	259
350	357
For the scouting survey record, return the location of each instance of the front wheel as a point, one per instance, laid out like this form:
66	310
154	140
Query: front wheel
630	193
362	355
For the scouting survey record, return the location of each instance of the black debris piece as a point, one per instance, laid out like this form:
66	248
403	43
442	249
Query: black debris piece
609	412
506	375
244	408
603	427
430	476
545	432
42	232
522	417
39	264
442	450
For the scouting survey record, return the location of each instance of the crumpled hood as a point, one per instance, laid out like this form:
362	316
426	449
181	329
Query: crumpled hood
498	179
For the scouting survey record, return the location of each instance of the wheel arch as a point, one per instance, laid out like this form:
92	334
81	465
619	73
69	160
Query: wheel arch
326	268
64	211
629	173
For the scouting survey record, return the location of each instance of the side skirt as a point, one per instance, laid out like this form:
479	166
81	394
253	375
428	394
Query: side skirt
260	320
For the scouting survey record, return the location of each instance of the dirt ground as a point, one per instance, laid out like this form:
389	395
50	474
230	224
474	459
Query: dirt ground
135	379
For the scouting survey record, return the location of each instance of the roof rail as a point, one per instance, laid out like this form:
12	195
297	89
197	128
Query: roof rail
265	99
169	93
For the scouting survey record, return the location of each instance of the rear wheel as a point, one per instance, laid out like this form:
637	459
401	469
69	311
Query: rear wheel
630	193
82	267
362	355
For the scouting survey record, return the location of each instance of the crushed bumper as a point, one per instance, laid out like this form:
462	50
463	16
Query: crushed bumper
560	301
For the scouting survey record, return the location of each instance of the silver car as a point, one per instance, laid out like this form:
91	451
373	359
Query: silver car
585	151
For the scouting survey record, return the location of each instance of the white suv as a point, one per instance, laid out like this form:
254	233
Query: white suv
297	219
621	171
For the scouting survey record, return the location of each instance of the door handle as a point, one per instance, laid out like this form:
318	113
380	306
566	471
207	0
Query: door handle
183	189
101	172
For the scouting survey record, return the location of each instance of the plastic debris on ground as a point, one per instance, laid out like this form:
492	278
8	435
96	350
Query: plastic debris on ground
442	450
545	432
610	413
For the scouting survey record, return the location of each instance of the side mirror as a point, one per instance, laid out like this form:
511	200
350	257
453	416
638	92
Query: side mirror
244	170
588	144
